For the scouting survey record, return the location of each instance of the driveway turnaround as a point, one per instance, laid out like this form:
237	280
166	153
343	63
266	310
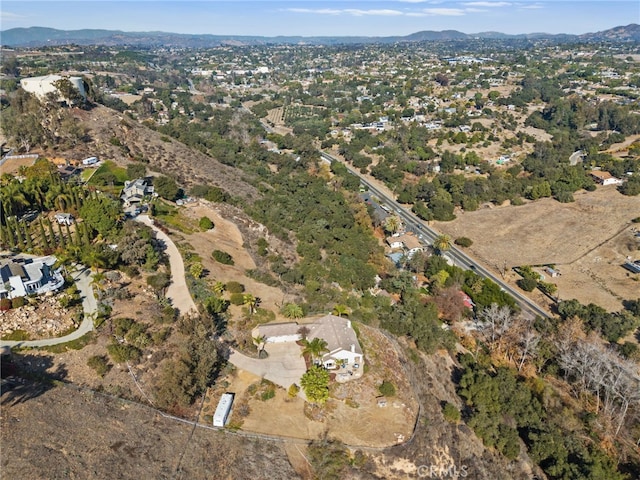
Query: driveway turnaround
89	305
284	366
177	292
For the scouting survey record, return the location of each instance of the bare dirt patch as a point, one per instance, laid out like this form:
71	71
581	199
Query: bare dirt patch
587	240
226	236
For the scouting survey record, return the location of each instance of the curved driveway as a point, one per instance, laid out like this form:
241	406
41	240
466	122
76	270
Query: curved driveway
284	365
178	292
89	305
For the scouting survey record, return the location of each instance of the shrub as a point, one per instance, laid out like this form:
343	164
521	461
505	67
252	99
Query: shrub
159	282
268	394
451	413
100	364
222	257
17	302
205	224
463	242
5	304
237	298
121	353
527	284
387	389
235	287
293	390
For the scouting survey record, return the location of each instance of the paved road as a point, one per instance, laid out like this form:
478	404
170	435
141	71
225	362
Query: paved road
89	305
177	292
576	157
284	366
428	234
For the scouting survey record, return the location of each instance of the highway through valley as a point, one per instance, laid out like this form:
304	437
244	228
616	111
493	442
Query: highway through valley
428	235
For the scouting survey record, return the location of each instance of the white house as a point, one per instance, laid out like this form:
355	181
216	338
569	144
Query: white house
21	277
604	178
344	356
409	243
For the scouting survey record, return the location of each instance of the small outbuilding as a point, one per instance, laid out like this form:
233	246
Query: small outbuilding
221	416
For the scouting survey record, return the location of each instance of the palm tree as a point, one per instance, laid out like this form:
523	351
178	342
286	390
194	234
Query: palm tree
340	310
392	224
260	341
442	243
219	288
291	310
314	348
251	302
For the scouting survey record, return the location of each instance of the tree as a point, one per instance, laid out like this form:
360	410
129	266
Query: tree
166	187
442	243
291	310
340	310
101	214
219	287
528	284
392	224
314	348
196	270
259	342
387	388
250	301
463	242
315	383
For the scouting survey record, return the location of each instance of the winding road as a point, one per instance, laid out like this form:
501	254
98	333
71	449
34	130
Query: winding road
178	292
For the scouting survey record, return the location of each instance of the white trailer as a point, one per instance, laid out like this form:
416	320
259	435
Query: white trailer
223	410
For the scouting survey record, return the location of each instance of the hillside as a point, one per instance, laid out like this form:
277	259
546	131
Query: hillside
89	435
109	131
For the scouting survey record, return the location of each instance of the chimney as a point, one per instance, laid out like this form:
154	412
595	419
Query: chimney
353	348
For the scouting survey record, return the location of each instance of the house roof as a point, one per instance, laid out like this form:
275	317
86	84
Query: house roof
278	329
602	175
12	269
336	331
409	241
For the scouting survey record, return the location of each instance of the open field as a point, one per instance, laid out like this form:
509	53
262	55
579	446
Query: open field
587	240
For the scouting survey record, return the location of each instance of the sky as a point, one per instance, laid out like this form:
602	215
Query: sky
322	18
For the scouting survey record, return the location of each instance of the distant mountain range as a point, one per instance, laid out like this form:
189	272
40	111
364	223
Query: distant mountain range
41	36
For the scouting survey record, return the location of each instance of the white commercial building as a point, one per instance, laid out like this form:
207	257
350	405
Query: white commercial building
41	86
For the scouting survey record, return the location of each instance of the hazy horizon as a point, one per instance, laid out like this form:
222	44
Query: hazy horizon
373	18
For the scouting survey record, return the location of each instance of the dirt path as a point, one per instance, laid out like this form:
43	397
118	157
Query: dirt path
177	292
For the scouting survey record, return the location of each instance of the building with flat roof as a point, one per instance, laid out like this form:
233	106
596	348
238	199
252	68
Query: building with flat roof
42	86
